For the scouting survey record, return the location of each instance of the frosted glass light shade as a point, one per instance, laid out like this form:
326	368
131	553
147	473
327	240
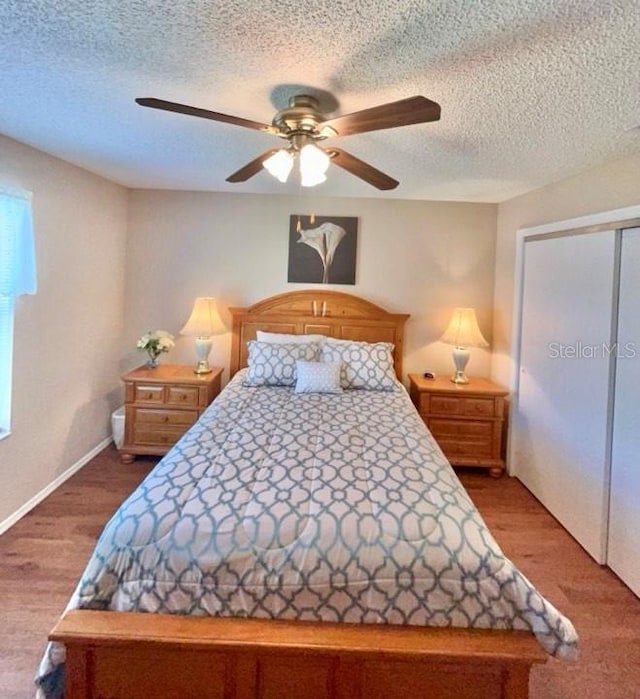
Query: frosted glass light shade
279	164
313	165
312	179
463	332
203	322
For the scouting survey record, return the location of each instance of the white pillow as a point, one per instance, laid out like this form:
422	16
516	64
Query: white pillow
365	365
275	365
318	377
285	338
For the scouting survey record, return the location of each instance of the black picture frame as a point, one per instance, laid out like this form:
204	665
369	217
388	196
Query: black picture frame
322	251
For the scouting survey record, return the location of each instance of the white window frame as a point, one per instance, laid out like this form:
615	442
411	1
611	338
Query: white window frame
7	308
17	276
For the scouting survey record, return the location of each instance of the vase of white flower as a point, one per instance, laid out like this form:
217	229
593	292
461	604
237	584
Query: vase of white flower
154	344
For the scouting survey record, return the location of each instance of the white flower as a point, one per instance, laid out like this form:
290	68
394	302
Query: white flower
324	240
156	342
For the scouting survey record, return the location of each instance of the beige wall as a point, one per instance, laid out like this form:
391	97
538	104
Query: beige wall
98	244
610	186
68	338
422	258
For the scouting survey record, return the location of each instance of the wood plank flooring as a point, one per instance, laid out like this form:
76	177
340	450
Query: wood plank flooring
43	555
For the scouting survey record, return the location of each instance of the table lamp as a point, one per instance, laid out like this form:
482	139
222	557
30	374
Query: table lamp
463	332
203	322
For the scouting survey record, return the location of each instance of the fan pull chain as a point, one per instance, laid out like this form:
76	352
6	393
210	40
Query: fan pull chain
312	220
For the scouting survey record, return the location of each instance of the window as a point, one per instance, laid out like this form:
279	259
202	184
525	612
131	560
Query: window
17	276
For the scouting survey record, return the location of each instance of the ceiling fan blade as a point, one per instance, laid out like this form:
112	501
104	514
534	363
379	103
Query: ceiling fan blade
202	113
360	169
412	110
252	168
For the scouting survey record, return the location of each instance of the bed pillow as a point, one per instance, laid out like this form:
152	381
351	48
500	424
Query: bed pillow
318	377
275	365
286	338
365	365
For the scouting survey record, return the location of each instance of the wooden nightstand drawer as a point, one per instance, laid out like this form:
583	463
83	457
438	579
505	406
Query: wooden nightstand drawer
467	429
164	437
148	394
478	406
455	405
184	396
469	449
445	405
149	416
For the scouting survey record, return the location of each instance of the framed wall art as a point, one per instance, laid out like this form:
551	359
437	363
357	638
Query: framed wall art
322	249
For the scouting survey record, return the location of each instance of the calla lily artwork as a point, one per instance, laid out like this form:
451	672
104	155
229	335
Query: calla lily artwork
324	240
323	251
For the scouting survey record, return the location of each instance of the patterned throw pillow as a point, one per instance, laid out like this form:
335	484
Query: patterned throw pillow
365	365
275	365
318	377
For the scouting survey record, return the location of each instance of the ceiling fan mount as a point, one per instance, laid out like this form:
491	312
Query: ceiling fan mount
302	116
302	124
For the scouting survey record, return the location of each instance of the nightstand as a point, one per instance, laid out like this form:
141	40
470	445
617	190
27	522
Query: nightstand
161	404
467	420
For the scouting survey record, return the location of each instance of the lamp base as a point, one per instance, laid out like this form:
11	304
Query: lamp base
460	377
460	359
203	347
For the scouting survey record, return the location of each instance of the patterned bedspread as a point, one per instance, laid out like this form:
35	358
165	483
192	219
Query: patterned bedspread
309	506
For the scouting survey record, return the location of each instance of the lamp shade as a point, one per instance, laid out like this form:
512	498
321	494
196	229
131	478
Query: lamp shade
313	165
279	164
463	330
204	320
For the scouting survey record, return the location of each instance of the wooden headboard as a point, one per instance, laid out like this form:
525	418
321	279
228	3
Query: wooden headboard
329	313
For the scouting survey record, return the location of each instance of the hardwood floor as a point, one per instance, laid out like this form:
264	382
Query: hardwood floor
604	611
43	555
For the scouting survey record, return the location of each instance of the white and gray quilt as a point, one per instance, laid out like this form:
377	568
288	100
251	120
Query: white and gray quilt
309	506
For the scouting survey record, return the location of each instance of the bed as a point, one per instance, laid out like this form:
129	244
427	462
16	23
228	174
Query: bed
337	553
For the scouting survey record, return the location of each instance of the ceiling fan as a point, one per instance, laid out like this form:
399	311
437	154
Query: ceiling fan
302	124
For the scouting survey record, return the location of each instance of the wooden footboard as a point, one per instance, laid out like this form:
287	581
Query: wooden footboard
122	655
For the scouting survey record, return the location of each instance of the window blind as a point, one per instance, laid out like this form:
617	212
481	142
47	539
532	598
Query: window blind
17	276
17	254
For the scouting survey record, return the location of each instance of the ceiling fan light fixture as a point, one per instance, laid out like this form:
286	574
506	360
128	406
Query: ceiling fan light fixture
314	163
312	179
313	159
279	164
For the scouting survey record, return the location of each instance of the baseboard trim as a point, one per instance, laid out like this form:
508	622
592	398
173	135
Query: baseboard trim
39	497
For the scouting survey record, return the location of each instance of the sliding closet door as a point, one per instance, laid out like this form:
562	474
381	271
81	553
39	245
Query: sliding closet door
624	509
560	432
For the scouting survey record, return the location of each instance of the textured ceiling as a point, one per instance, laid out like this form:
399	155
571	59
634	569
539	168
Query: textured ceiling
531	91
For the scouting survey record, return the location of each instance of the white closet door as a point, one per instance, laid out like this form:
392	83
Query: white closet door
624	509
560	430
